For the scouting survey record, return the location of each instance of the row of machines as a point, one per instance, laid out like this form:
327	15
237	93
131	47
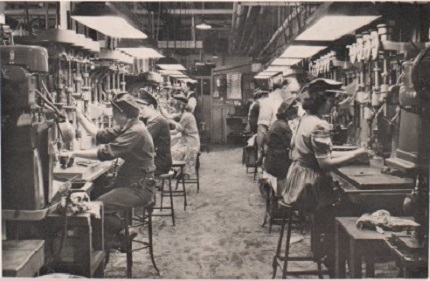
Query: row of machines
43	79
41	86
387	109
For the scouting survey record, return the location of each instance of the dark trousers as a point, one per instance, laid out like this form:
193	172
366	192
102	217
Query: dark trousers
118	200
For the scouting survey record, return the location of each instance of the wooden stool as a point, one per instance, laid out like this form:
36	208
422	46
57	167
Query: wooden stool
181	178
204	139
166	193
144	219
274	212
195	180
282	261
250	156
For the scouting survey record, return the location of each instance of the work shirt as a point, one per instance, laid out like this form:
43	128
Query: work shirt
253	113
269	107
192	101
159	129
133	144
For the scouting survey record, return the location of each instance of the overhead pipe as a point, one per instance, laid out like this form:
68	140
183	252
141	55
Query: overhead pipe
239	16
241	13
233	17
281	29
253	31
245	27
252	19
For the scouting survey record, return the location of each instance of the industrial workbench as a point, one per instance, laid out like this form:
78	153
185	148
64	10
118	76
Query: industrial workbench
369	189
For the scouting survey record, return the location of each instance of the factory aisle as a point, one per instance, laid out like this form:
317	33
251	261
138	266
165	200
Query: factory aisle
219	236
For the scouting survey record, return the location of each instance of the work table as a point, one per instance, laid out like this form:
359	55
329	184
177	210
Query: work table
371	189
84	169
365	177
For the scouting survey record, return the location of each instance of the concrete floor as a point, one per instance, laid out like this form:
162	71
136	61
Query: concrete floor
219	236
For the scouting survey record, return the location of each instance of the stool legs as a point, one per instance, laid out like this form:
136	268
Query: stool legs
129	260
282	261
171	202
182	179
287	246
149	244
198	180
278	248
151	247
162	195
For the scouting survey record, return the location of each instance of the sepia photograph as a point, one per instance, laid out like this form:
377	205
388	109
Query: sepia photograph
215	139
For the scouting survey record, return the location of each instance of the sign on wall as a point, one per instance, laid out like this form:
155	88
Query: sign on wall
234	90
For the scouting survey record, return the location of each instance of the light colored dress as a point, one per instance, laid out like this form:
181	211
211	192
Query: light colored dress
305	178
188	144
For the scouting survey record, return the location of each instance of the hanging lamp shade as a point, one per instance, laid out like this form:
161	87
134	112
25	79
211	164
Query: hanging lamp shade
203	25
106	19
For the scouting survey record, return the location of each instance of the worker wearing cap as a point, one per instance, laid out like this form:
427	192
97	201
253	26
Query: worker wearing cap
159	129
134	184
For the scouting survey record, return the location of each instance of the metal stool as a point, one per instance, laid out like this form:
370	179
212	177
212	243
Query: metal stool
195	180
183	192
166	193
144	219
282	261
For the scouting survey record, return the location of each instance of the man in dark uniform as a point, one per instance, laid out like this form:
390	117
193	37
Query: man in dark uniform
159	129
129	139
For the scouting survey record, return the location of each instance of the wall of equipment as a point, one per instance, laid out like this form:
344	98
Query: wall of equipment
385	67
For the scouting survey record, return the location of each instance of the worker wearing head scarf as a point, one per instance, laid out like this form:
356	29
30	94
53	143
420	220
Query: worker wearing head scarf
187	143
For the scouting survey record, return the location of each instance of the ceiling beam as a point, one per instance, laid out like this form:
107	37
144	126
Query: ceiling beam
31	12
293	16
190	12
264	3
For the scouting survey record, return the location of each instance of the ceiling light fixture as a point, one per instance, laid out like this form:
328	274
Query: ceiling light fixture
203	25
337	19
301	51
285	62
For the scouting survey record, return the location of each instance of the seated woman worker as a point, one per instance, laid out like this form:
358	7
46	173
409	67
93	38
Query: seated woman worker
308	183
277	160
134	184
186	139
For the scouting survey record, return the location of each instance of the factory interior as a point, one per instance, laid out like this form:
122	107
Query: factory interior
215	140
